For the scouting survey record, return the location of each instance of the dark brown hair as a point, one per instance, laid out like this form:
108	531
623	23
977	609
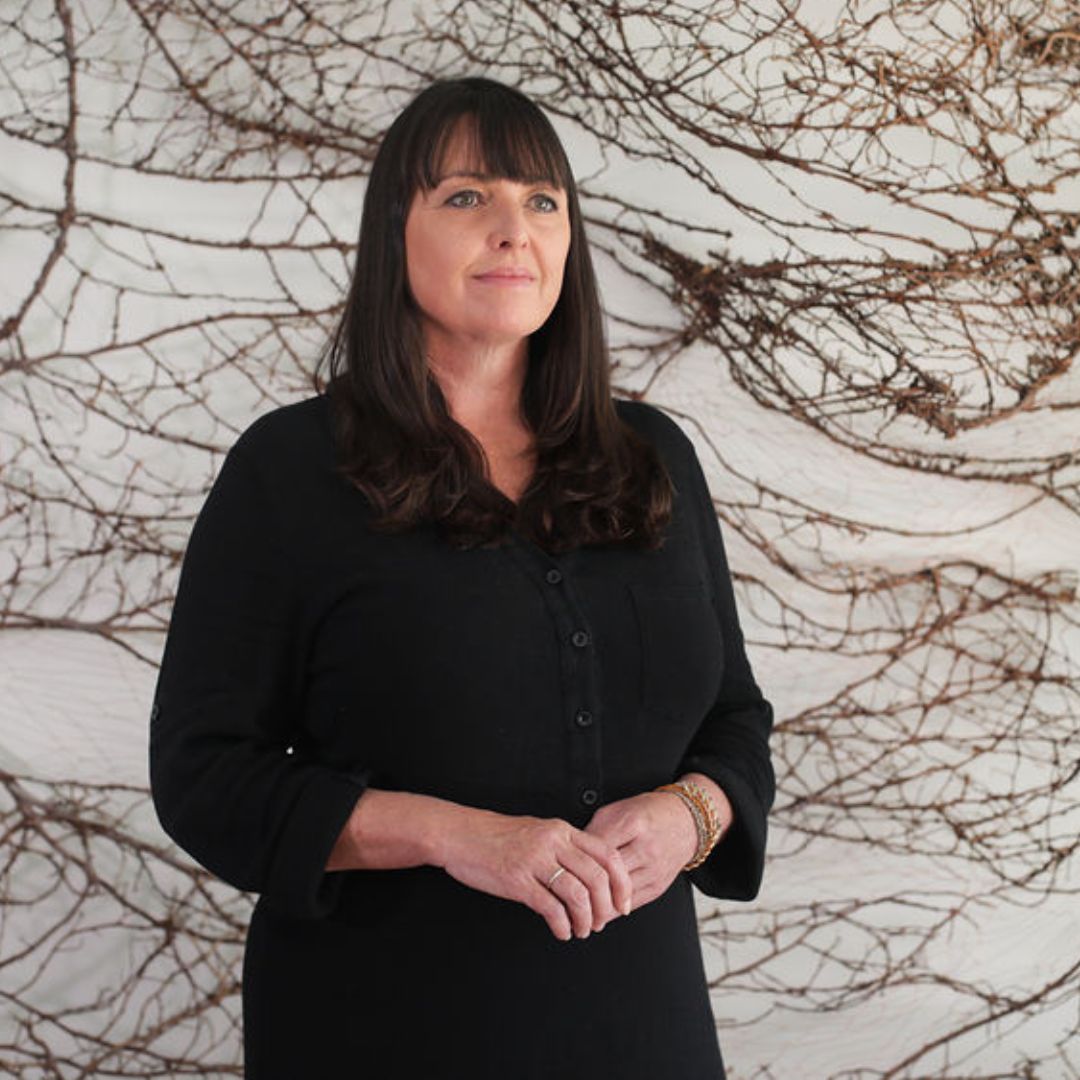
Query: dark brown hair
596	481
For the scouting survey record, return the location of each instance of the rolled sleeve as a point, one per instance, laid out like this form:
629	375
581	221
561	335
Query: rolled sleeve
228	779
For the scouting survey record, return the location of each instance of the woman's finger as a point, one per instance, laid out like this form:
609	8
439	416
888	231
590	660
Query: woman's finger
546	904
620	887
584	889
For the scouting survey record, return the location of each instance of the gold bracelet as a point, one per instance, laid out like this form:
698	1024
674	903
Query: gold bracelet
700	827
712	821
706	821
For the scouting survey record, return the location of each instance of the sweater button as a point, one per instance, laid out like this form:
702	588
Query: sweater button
553	576
589	797
583	718
580	638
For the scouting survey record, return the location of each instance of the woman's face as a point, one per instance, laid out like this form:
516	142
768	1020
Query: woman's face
484	256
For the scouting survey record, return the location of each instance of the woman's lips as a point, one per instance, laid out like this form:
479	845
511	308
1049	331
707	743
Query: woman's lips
506	277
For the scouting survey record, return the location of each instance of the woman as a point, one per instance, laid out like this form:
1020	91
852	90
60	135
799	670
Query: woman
454	678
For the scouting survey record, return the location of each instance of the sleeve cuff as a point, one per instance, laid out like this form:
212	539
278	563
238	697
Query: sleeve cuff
734	868
298	883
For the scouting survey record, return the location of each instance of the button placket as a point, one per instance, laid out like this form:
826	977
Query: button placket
579	675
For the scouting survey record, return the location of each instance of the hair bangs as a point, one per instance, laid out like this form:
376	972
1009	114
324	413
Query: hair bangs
504	138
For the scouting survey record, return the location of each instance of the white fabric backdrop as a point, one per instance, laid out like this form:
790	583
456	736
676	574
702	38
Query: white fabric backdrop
187	287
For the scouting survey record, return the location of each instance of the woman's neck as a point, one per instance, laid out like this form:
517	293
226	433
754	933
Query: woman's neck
483	387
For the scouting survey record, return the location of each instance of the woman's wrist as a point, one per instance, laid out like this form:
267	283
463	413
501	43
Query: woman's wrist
452	825
691	831
392	830
709	810
725	812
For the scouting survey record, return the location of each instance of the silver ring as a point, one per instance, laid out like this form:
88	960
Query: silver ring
555	875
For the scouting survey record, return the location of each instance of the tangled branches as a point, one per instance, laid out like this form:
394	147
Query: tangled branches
851	227
104	898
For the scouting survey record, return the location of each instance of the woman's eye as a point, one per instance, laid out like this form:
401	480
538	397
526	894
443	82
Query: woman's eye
547	203
464	198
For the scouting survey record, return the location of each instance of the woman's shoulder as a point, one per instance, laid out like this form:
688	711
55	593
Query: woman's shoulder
288	432
656	425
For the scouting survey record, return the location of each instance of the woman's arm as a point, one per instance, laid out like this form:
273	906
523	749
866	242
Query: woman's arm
731	746
393	830
225	784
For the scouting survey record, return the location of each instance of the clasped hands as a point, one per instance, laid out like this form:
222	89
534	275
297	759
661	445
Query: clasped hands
629	854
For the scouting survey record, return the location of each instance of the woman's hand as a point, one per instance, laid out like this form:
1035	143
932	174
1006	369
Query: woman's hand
656	836
514	857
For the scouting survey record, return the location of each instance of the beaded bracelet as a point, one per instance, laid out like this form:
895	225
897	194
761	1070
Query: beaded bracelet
706	821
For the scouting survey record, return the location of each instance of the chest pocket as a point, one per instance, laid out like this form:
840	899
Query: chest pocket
681	649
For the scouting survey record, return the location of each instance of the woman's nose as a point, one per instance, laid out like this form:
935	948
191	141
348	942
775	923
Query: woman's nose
508	229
